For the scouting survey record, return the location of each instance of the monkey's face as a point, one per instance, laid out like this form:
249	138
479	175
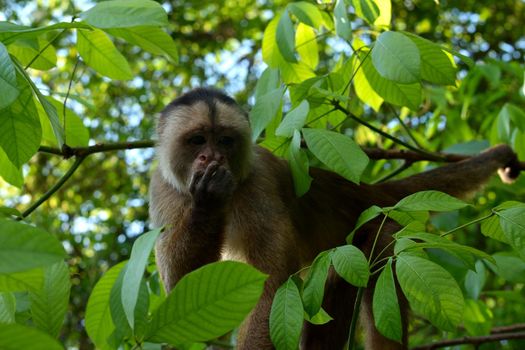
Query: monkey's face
203	134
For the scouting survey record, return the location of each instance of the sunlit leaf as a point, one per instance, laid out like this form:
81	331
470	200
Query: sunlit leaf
27	50
99	53
20	131
151	39
8	81
125	13
306	45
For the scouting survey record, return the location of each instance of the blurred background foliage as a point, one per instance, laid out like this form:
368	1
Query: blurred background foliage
102	209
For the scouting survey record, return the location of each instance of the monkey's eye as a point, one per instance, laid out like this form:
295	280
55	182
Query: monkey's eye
197	140
226	140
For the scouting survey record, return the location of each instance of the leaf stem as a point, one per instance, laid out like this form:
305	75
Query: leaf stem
467	224
53	189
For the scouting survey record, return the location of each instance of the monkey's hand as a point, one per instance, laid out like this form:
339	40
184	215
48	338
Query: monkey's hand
212	187
511	166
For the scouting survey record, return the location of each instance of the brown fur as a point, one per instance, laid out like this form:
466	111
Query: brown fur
265	224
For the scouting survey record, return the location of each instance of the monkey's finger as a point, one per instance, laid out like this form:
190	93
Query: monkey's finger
195	179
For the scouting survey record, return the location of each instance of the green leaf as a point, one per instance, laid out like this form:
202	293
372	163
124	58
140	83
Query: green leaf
26	50
509	266
408	95
285	36
15	336
366	9
437	65
294	120
20	131
478	318
397	58
125	13
320	318
306	45
339	152
286	317
135	270
465	253
264	111
207	303
268	81
367	215
24	247
306	13
76	133
9	172
122	327
362	86
8	81
491	228
430	201
9	32
343	26
313	290
50	304
350	263
512	223
385	306
385	13
7	307
99	53
475	280
22	281
430	290
99	324
151	39
270	51
48	107
299	165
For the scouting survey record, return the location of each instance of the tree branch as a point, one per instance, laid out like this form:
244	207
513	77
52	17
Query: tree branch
472	340
373	153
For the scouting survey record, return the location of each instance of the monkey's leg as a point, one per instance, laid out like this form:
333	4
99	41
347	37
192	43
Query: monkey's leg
339	303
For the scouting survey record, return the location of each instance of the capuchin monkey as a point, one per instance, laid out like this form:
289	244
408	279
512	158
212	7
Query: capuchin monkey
220	196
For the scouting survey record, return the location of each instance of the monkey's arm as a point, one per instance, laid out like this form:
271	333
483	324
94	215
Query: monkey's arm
461	178
195	224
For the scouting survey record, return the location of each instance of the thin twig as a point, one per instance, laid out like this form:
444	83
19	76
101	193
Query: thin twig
53	189
338	106
471	340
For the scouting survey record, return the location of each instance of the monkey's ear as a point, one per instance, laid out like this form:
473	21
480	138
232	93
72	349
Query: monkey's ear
510	172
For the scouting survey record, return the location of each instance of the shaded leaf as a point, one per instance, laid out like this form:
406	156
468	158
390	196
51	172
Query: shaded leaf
207	303
385	305
339	152
286	317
